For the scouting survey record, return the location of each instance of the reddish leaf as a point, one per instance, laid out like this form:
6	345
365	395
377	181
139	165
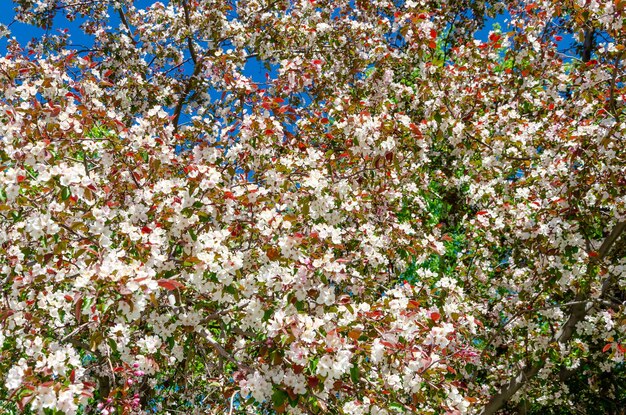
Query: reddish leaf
77	308
273	254
72	95
313	381
24	400
413	304
387	344
354	334
606	348
169	285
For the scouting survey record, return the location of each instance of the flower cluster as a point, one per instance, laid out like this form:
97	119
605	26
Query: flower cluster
396	217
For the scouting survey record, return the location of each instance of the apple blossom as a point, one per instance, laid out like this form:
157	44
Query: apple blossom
394	216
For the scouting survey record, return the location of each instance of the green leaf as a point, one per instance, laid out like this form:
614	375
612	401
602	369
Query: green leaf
350	308
354	373
231	289
204	217
65	193
193	235
279	397
300	306
294	402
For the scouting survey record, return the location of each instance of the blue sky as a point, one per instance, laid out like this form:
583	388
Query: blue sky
24	33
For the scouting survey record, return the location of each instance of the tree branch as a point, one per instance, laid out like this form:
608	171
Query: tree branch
588	45
196	70
188	87
578	312
221	351
192	49
127	26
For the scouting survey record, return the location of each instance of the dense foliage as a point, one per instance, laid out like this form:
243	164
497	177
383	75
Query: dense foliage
396	218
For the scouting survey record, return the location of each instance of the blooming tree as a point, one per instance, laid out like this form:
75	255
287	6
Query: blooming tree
396	218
